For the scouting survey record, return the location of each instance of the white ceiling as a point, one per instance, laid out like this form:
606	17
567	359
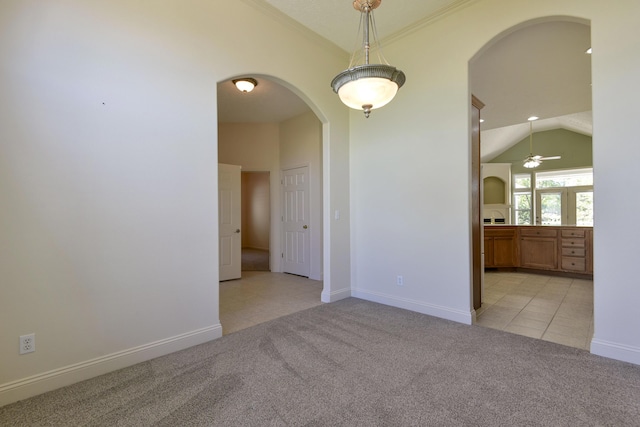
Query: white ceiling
538	70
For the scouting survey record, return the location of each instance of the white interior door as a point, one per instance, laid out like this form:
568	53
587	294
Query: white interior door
295	218
229	218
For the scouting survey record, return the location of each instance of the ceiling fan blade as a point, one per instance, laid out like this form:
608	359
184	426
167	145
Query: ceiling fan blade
549	158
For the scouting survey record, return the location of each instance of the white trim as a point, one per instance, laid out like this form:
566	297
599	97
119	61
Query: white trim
56	378
612	350
336	295
418	306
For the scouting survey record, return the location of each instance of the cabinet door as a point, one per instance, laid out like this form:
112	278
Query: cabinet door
488	252
539	252
503	251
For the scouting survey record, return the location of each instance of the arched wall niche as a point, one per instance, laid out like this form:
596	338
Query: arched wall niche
494	191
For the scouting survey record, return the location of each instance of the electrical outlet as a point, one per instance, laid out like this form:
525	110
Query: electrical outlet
27	343
399	281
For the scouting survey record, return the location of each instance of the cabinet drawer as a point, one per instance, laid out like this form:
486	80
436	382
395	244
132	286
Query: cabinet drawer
578	232
538	232
576	252
573	264
573	243
499	232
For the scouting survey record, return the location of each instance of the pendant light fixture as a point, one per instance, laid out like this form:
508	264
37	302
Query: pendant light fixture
367	86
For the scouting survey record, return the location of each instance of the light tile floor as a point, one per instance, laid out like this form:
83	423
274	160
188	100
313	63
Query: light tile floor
556	309
260	296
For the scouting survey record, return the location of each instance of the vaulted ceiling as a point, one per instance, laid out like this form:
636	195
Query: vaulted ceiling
539	69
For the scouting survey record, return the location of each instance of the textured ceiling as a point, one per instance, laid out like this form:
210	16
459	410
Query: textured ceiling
539	69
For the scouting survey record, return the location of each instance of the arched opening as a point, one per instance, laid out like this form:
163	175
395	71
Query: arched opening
539	68
267	133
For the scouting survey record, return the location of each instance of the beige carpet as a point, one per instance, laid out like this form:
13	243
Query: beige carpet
353	363
255	259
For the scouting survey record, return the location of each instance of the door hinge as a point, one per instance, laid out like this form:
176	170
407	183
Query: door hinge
282	255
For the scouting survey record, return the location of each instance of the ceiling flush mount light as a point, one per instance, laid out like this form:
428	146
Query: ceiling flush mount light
367	86
245	84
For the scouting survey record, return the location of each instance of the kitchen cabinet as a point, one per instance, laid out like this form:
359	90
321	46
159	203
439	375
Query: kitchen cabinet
539	248
567	250
573	244
500	247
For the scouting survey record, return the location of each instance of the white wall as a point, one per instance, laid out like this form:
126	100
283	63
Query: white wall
410	180
108	183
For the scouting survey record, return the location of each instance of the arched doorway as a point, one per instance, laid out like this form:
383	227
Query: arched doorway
537	68
265	132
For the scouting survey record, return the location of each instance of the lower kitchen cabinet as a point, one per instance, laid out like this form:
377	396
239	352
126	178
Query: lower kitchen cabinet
544	248
500	246
539	248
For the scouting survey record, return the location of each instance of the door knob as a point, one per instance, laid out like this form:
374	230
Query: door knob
237	230
305	227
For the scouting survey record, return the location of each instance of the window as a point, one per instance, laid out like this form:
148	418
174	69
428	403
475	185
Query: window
567	178
562	197
522	201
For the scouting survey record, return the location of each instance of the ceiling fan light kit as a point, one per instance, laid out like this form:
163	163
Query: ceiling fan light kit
532	161
368	86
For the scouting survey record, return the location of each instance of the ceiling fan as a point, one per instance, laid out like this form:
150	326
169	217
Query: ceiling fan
532	161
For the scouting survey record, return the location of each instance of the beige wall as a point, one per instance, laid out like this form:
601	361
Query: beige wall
254	146
108	154
256	215
410	166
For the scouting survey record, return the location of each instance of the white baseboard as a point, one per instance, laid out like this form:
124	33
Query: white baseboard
616	351
418	306
51	380
336	295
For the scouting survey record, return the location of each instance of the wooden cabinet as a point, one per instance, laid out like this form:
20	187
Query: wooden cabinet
500	247
539	248
544	248
573	244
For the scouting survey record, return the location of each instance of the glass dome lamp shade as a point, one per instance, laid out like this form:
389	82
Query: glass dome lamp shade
368	86
246	84
531	162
